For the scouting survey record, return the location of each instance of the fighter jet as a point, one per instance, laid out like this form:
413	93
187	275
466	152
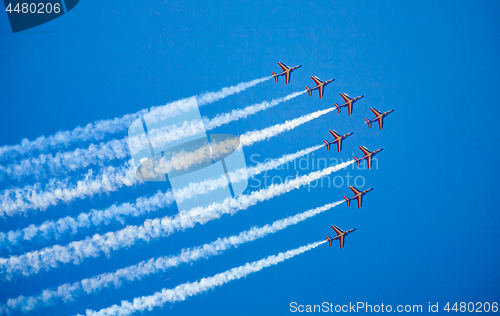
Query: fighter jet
287	71
320	85
379	116
340	235
338	140
367	155
358	195
348	102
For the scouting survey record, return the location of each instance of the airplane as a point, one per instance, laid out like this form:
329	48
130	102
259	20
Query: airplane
367	155
348	102
287	71
379	116
320	85
338	140
358	195
340	235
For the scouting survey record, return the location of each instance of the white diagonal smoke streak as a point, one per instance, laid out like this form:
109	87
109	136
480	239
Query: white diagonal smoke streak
98	130
188	289
62	162
249	138
142	205
164	135
184	160
77	251
19	200
70	291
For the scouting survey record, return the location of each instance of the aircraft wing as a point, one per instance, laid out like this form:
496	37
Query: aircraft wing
369	161
360	200
354	190
283	66
320	89
316	80
339	145
337	230
345	97
341	239
335	134
365	150
380	122
376	112
287	77
349	108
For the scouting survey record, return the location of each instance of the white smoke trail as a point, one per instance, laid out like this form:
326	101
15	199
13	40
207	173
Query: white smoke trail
119	149
165	135
19	200
99	129
63	162
188	289
76	251
69	292
184	160
142	205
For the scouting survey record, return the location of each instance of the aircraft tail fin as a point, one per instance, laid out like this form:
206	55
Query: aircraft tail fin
329	240
275	77
357	160
337	107
368	122
327	145
347	200
308	90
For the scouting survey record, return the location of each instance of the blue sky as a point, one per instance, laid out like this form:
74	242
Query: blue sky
427	233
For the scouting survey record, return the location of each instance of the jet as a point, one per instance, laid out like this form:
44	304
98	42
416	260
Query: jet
358	195
338	140
340	235
367	155
348	102
287	71
379	116
320	85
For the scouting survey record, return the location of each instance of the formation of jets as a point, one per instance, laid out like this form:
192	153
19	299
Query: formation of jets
367	154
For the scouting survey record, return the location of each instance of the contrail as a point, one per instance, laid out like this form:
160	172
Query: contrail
98	130
62	162
184	160
70	291
188	289
19	200
76	251
165	135
142	205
